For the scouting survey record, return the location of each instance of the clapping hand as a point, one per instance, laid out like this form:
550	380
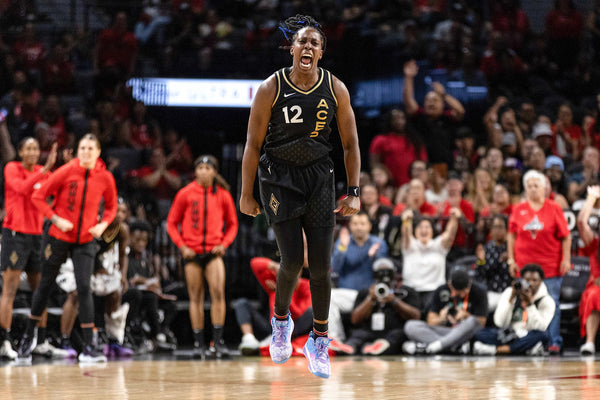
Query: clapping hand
344	236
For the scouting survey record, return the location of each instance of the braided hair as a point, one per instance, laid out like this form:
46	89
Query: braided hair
292	25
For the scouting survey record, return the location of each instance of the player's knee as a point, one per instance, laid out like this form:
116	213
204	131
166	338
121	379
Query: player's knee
217	294
320	274
84	289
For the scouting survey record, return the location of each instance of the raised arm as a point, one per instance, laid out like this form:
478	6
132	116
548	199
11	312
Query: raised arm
450	232
7	150
349	136
260	114
411	69
407	235
456	108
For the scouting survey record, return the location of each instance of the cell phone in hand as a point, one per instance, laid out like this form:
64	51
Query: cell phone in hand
3	114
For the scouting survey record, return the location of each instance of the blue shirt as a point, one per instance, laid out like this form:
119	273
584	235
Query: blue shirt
354	266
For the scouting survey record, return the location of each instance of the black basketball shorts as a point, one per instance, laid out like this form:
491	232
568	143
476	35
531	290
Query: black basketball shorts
289	192
21	251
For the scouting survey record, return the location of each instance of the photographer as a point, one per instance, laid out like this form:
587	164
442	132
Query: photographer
381	311
458	311
524	312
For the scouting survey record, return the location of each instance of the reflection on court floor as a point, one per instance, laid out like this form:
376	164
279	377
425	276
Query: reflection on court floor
452	378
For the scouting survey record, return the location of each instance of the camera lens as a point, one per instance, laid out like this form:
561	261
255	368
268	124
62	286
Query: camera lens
382	290
518	285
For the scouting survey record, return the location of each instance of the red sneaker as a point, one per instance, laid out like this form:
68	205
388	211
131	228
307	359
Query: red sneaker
340	347
554	350
377	347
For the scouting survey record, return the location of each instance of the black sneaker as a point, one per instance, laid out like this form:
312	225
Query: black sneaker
221	351
199	351
26	346
90	355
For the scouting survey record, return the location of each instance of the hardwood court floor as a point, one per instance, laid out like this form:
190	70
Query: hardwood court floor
452	378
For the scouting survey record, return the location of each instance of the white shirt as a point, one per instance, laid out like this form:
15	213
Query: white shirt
424	265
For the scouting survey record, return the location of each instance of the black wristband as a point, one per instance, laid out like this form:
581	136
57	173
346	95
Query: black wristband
353	191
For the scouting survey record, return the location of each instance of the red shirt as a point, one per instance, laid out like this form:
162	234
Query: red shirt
467	209
162	190
78	193
397	152
116	49
31	54
591	251
560	25
201	213
574	132
141	137
301	300
21	215
538	235
425	209
427	6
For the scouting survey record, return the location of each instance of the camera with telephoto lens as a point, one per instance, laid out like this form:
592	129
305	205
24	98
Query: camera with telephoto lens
521	284
382	290
383	274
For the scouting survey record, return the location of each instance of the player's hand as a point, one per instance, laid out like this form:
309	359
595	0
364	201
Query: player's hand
186	252
51	158
349	205
98	229
67	155
218	250
62	224
249	206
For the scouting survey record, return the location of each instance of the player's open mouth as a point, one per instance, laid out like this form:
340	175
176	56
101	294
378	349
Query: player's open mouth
306	60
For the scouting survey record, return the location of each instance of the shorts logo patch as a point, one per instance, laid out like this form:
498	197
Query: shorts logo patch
274	204
48	251
14	257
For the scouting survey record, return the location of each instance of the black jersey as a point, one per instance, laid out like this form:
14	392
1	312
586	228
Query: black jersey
299	127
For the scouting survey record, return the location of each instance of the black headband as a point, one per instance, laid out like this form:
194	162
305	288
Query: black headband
206	160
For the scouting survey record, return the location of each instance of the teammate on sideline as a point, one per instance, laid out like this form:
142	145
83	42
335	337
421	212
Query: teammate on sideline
109	281
202	208
22	239
291	114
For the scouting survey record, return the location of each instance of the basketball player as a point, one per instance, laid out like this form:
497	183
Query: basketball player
108	281
291	114
202	208
22	239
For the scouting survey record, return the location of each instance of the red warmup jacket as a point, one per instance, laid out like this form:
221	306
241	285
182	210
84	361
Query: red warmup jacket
78	192
19	184
201	213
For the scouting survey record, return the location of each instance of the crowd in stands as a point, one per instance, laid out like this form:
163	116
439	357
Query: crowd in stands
441	179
